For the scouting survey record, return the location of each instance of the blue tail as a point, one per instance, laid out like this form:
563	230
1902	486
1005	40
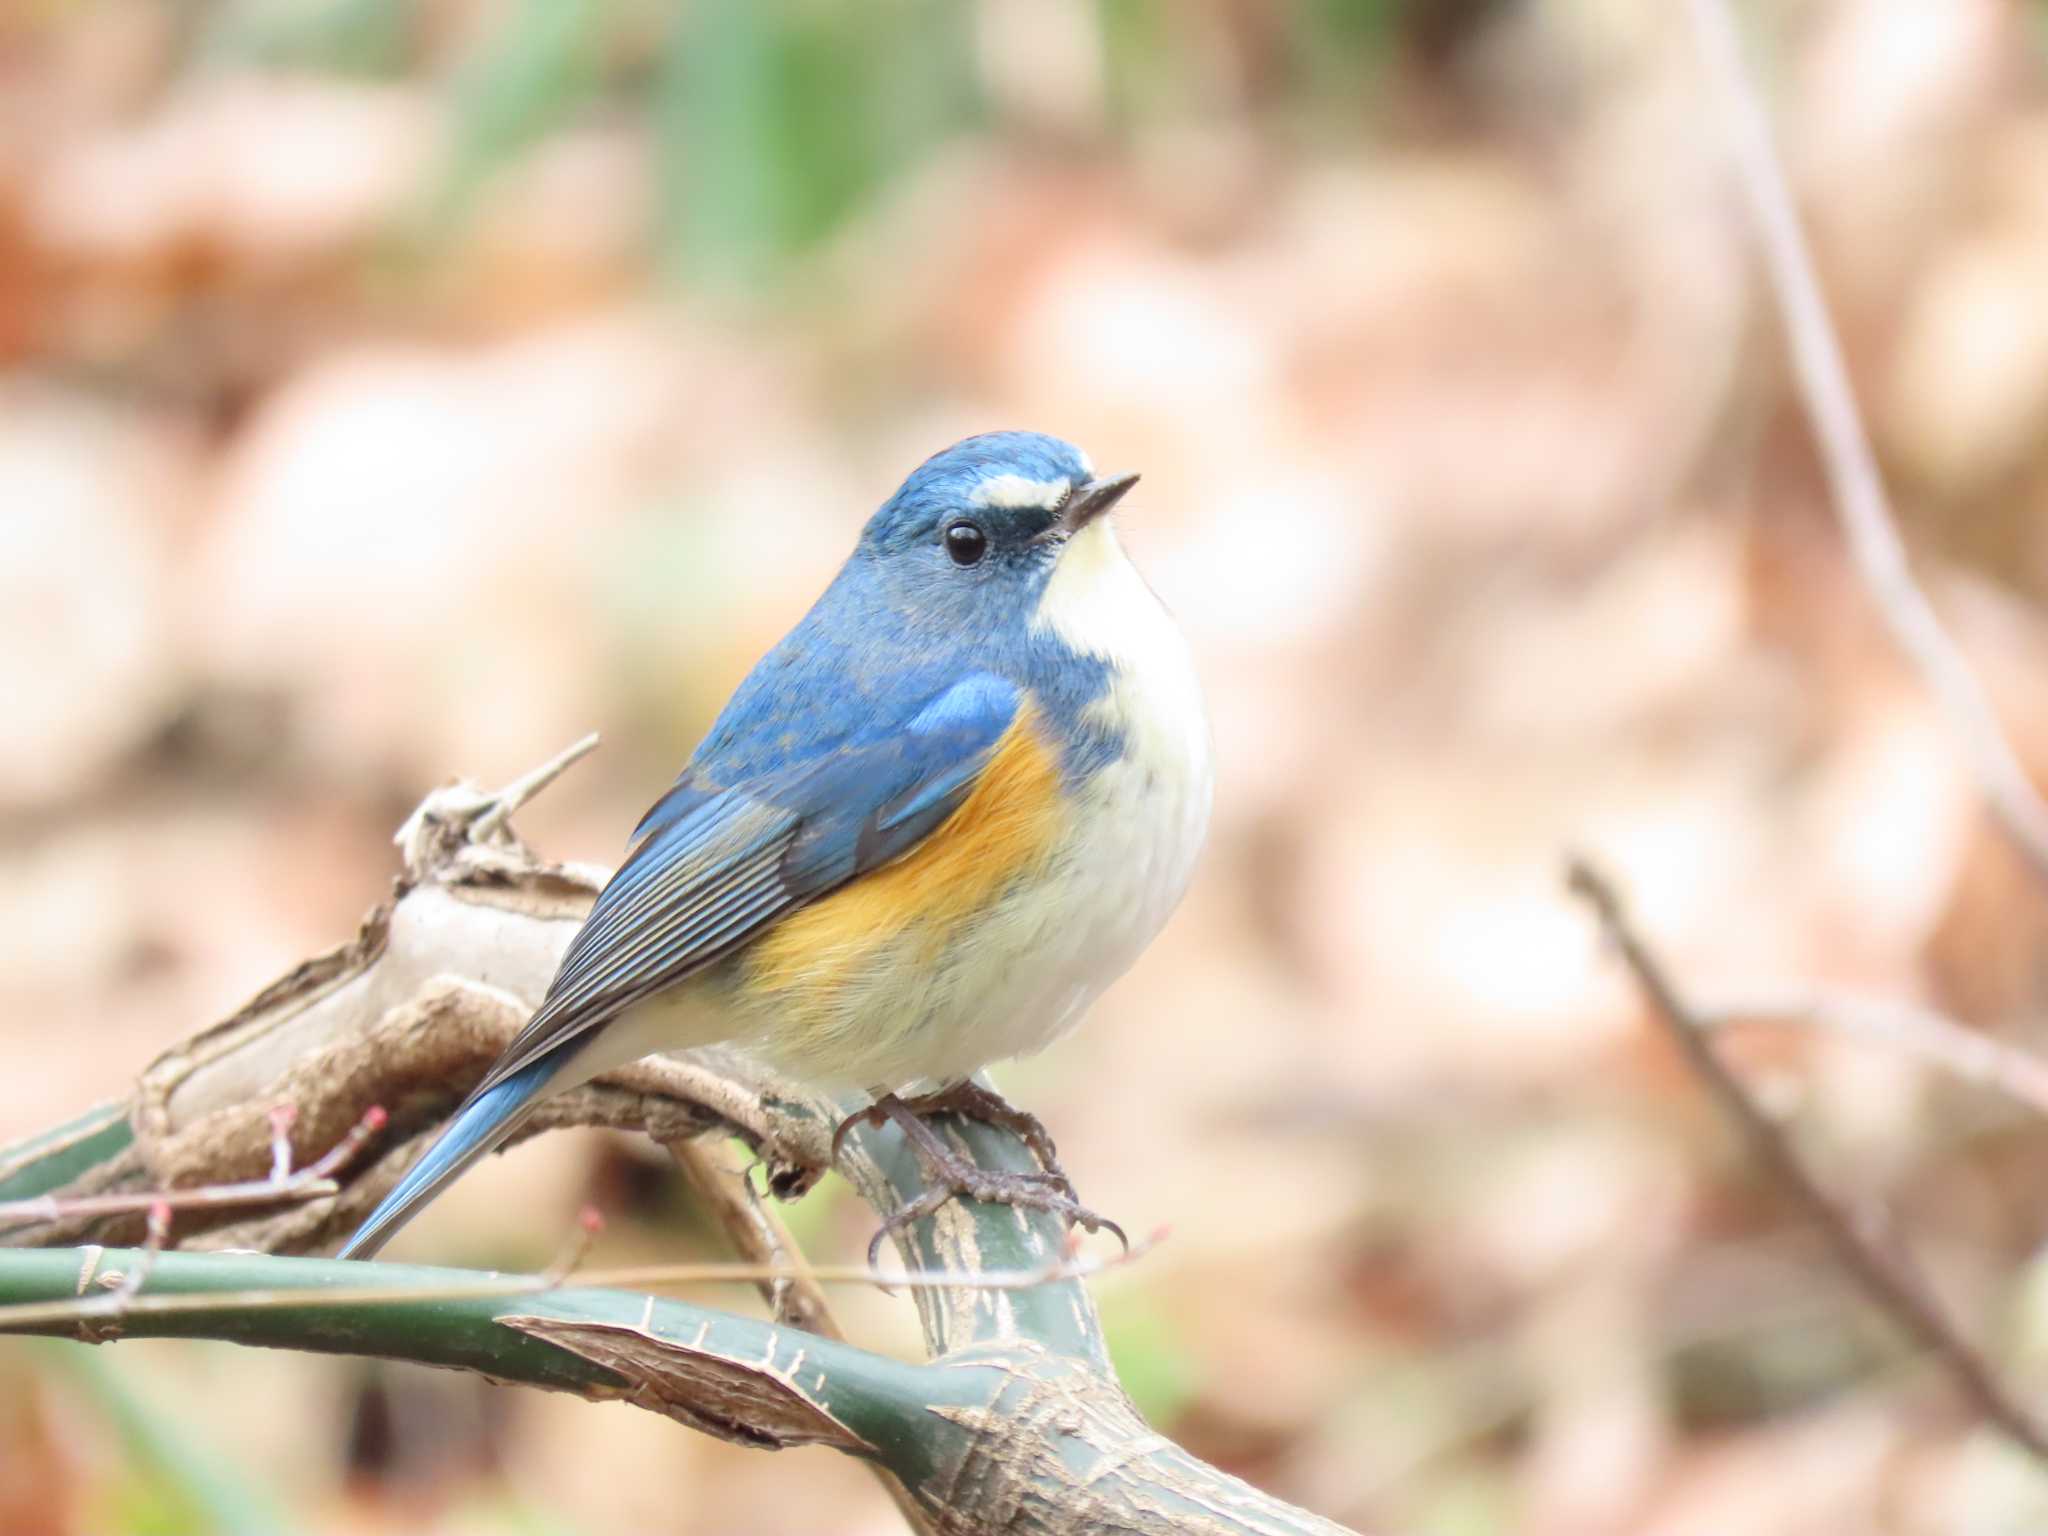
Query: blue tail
477	1128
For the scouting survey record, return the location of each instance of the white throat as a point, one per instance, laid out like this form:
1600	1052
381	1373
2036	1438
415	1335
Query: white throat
1098	603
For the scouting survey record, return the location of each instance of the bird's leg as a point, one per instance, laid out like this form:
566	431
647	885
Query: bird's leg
971	1101
954	1175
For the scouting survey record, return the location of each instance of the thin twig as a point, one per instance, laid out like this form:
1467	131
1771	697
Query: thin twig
522	789
99	1317
1920	1033
459	824
283	1184
589	1222
1858	489
1066	1266
757	1233
1860	1239
281	1117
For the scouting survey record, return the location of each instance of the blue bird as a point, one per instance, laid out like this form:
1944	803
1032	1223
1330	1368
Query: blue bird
932	825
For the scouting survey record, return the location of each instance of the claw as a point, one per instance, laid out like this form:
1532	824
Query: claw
873	1115
954	1176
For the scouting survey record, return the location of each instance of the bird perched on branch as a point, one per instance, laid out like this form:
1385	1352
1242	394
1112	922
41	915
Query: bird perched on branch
932	825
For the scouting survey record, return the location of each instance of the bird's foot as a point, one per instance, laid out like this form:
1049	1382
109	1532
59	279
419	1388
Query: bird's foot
953	1175
970	1101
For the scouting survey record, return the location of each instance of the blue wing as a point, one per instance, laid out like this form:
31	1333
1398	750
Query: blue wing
711	865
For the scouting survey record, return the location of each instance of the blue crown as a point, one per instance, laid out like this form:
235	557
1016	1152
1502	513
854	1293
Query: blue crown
946	482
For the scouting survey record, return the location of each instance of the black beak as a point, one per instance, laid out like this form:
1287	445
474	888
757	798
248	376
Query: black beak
1090	501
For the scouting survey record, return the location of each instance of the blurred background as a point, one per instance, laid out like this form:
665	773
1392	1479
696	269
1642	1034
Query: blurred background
392	389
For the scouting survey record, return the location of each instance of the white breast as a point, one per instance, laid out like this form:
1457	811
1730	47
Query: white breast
1140	821
1098	603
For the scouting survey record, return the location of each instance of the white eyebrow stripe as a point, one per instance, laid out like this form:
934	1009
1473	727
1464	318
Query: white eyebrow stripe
1016	491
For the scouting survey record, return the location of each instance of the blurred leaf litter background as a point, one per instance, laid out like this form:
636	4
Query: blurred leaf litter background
391	390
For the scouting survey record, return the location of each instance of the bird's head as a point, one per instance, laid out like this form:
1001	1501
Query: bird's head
974	536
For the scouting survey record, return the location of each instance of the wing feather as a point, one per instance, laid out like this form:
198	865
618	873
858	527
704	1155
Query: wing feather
717	832
711	866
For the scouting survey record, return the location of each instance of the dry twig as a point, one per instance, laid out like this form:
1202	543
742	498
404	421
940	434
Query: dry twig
589	1222
1858	489
283	1184
1860	1238
757	1233
1920	1033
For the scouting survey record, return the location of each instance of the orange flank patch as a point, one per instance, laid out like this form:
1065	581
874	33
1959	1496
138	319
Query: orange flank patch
1010	821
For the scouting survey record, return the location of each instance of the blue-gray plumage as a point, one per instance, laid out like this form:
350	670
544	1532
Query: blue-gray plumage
931	825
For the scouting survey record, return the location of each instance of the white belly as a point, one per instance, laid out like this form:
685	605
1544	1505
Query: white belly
1125	871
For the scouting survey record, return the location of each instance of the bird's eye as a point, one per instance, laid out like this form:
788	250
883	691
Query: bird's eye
966	543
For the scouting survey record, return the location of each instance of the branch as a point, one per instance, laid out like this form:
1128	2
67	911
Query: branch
497	1325
1023	1441
1858	489
283	1184
1920	1033
91	1310
1861	1240
1015	1425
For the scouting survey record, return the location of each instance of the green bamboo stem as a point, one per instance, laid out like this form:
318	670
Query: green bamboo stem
66	1154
